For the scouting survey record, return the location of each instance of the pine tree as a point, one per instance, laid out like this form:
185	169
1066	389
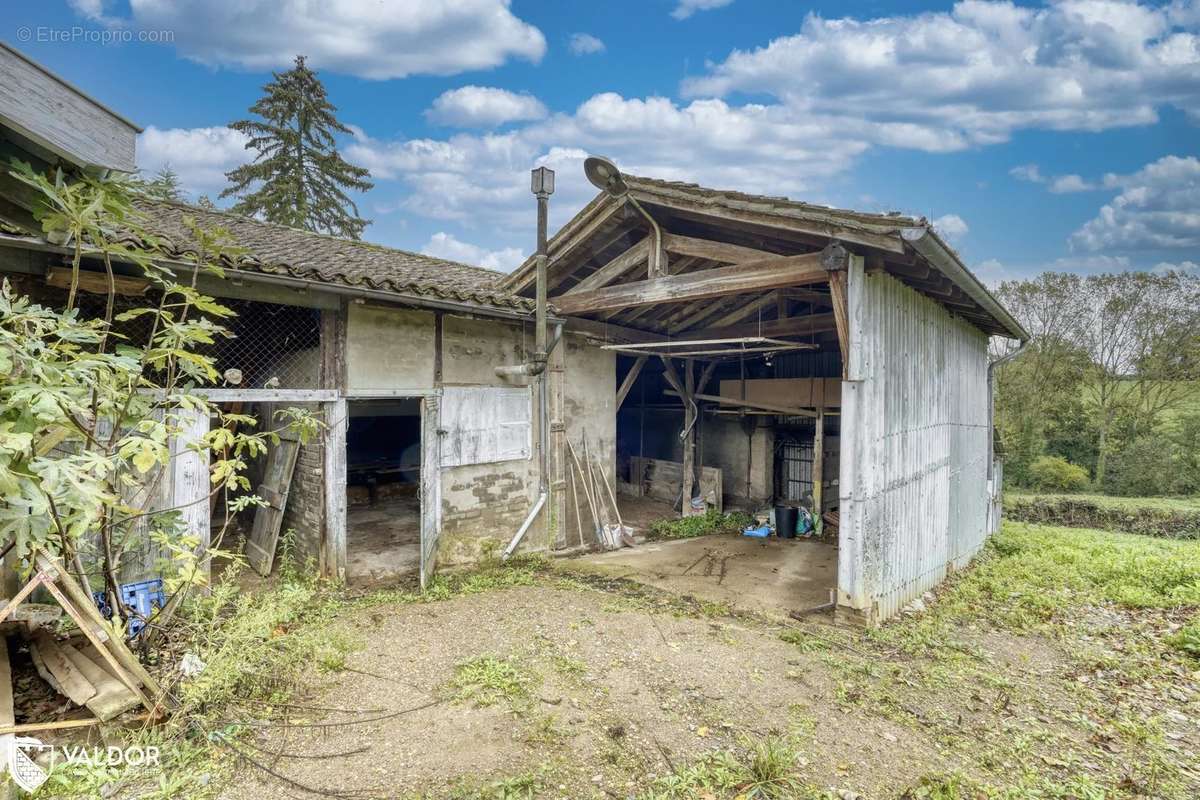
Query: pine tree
297	178
163	186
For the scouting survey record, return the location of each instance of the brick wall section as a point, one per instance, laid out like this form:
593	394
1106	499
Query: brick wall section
305	509
482	507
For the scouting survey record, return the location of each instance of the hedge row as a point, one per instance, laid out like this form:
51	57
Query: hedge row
1079	513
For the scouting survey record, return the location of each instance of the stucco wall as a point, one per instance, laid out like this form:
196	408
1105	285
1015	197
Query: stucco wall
744	456
589	399
914	445
483	505
389	348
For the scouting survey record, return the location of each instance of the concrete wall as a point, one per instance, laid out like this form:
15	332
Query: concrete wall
745	457
914	499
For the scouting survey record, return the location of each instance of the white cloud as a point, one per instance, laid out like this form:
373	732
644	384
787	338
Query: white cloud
1028	172
368	39
1096	262
975	74
1187	267
200	156
1066	184
584	44
686	8
993	272
482	179
483	107
1158	208
952	227
444	245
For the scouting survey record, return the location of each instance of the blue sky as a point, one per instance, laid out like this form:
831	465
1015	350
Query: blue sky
1057	135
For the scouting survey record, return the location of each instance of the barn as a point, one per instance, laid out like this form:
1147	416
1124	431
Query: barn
672	344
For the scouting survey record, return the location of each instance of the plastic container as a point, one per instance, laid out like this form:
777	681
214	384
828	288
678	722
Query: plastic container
785	521
758	533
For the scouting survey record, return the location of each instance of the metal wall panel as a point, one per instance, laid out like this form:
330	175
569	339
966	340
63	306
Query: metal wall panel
915	499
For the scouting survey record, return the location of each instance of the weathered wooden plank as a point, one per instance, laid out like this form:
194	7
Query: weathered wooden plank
59	671
613	269
97	282
190	484
713	250
837	290
739	311
112	697
336	424
630	377
729	401
54	114
277	481
769	273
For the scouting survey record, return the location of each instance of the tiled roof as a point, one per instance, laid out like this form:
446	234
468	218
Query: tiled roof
281	250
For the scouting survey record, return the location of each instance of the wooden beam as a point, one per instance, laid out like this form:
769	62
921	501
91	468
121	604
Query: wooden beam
837	262
610	332
689	439
772	328
818	472
562	244
97	282
630	377
613	269
737	314
712	250
768	273
789	411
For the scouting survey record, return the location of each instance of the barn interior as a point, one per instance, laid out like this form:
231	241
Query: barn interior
729	315
383	479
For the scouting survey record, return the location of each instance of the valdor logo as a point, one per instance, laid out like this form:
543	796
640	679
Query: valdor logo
26	773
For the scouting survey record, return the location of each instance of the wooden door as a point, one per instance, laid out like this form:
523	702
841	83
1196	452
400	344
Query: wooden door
268	519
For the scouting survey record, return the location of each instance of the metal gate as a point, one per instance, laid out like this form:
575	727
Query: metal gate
431	486
794	473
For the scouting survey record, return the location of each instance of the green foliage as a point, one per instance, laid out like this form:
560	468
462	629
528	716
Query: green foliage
297	178
1173	518
1055	474
163	185
706	524
87	415
488	680
764	769
1187	639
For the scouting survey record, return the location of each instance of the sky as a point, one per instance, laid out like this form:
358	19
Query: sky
1035	136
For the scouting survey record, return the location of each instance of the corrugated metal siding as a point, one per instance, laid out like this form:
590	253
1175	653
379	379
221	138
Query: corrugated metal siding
914	445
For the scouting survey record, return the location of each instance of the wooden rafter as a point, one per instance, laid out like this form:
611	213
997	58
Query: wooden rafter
712	250
767	273
630	378
789	326
614	269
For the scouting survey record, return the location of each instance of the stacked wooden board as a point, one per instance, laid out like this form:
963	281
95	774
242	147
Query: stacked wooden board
81	674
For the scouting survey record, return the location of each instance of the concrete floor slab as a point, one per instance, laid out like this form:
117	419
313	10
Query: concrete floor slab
765	576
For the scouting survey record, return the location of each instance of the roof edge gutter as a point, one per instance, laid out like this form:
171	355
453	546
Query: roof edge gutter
930	246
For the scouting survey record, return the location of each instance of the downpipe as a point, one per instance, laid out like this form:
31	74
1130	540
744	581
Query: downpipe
542	186
991	373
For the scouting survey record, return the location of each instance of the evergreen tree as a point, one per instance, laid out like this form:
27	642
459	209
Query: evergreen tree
163	186
297	178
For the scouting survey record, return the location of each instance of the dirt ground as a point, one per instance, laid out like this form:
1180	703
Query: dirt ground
616	686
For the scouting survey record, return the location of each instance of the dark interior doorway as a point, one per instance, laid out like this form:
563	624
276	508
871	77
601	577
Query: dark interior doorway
383	481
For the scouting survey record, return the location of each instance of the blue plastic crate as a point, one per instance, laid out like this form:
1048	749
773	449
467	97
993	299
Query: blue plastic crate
142	598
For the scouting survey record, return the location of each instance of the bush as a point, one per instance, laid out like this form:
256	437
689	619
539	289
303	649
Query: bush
1054	474
712	521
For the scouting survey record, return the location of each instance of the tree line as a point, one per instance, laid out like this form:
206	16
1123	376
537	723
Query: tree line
1106	395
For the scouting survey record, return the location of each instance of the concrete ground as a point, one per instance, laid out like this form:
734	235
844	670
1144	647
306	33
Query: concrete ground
383	540
765	576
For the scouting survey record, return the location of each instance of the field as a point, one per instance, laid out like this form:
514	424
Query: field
1126	504
1064	664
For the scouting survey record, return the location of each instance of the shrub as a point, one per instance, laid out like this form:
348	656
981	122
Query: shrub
1055	474
710	522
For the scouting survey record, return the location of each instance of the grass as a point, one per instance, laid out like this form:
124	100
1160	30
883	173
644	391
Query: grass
761	770
706	524
1126	504
487	680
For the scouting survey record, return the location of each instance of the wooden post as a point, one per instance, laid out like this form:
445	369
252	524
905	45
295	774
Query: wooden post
336	422
189	479
689	441
818	472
